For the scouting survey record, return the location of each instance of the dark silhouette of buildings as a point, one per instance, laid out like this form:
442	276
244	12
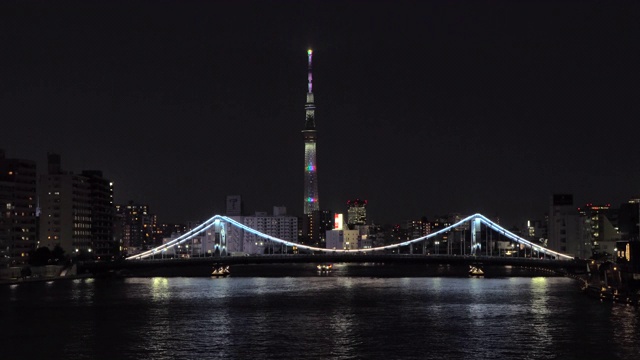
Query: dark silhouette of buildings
76	211
18	221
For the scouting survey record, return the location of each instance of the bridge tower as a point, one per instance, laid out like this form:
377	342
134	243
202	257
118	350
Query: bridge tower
476	245
219	238
311	203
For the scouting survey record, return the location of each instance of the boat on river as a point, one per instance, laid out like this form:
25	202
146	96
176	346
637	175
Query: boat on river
475	270
324	267
220	271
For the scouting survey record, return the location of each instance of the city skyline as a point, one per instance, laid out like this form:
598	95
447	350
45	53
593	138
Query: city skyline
426	108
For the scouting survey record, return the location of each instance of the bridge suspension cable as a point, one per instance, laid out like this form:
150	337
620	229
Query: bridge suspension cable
220	218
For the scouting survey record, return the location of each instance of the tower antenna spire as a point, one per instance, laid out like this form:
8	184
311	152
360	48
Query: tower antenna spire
310	54
310	123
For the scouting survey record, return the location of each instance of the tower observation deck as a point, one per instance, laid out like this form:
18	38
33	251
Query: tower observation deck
310	139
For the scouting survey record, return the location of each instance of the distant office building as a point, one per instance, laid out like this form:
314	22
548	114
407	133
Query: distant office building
604	234
315	226
282	227
340	237
413	229
18	221
214	240
568	232
536	232
357	212
279	211
628	219
137	229
446	241
76	210
102	215
65	204
209	242
234	205
162	231
343	239
628	257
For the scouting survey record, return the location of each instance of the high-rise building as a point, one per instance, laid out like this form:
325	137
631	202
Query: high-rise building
536	232
628	219
102	215
314	227
17	208
357	212
568	232
137	227
280	226
311	200
76	210
65	209
604	234
234	205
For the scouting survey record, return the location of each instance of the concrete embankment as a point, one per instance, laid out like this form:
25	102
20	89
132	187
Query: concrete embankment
27	274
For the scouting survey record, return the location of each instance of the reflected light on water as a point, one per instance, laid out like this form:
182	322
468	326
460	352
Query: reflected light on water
540	310
625	325
319	318
160	288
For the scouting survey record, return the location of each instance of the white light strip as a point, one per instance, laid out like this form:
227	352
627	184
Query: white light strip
209	223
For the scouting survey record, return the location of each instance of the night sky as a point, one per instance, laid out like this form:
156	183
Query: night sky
422	108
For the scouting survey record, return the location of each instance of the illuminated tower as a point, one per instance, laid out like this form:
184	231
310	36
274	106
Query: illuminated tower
311	203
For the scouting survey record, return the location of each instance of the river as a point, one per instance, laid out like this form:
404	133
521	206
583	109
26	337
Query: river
339	316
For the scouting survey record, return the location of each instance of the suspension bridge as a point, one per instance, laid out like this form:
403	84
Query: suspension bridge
470	252
474	221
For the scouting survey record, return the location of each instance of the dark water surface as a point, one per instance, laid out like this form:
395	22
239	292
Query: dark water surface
314	317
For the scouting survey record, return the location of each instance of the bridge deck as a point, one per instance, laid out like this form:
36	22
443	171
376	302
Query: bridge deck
566	265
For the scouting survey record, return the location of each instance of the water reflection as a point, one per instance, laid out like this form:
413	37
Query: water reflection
626	330
540	322
160	288
319	317
82	291
341	324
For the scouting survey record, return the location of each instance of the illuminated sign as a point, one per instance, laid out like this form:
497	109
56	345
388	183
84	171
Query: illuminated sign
337	221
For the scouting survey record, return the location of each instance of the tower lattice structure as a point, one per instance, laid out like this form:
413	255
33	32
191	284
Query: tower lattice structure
311	202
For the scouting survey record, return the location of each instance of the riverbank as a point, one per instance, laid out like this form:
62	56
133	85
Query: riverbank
35	279
29	274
